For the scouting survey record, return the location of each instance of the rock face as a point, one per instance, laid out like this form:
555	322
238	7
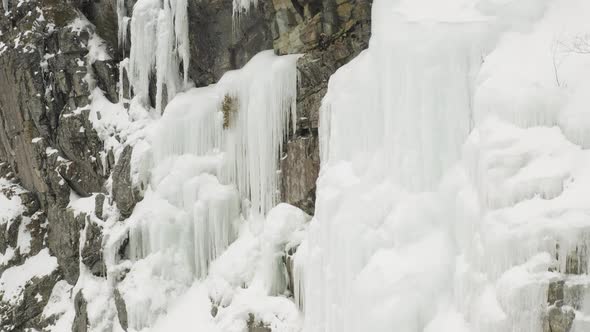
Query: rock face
330	33
218	44
91	252
47	144
566	294
21	238
80	323
123	193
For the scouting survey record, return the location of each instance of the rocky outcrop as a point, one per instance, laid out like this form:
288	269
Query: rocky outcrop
566	294
80	323
219	43
255	325
63	240
23	237
123	192
331	33
26	313
91	253
121	309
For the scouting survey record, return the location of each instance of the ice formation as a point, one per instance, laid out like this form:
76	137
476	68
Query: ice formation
240	6
122	23
210	168
159	44
460	197
463	192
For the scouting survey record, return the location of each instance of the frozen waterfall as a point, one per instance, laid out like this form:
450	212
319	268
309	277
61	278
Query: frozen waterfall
458	200
210	168
159	45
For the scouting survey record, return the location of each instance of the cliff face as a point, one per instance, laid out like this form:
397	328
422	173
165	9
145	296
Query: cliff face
54	53
146	147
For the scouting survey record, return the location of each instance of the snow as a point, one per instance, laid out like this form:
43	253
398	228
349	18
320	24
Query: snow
60	305
10	207
14	279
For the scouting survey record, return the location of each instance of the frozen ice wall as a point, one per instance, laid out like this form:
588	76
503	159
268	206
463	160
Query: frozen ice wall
460	199
210	166
159	45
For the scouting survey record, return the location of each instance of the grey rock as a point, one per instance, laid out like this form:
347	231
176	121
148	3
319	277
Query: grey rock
121	309
99	205
26	313
300	168
63	240
217	45
30	202
80	323
558	319
555	292
331	32
123	192
106	75
22	117
255	325
91	253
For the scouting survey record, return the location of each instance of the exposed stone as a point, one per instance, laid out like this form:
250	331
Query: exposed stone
99	205
106	75
555	292
301	168
331	32
219	45
80	323
26	314
63	240
121	309
558	319
256	325
123	192
91	253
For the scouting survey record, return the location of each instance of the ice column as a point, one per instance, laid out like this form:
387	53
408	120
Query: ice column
204	167
393	122
159	44
266	96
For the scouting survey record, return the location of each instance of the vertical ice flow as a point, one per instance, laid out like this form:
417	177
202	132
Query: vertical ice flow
429	218
159	45
203	167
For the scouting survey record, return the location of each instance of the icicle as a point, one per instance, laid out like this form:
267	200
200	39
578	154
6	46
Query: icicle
159	43
180	10
123	70
144	42
299	276
122	23
192	146
265	105
240	6
214	227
